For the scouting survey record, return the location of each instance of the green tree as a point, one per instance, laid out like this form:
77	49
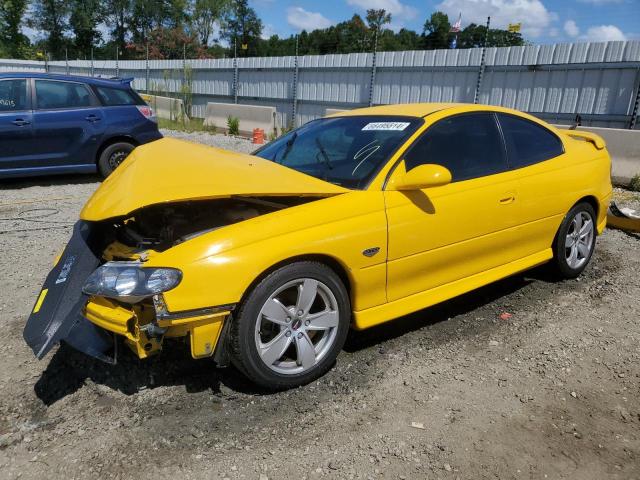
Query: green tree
436	31
51	17
85	17
242	25
376	20
205	15
12	40
473	37
118	15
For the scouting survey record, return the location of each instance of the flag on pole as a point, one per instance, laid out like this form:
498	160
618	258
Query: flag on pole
455	28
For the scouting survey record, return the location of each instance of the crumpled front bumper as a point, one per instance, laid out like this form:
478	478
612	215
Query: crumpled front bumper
143	331
89	324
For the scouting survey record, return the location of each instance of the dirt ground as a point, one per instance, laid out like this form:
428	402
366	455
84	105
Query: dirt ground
450	392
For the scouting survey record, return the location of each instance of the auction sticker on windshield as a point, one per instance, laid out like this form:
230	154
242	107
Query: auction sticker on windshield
386	126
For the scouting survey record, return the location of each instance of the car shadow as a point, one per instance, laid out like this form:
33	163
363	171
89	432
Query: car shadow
69	369
48	181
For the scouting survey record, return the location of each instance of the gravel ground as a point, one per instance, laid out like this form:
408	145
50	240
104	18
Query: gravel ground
455	391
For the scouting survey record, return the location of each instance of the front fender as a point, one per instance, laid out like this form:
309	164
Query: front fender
220	266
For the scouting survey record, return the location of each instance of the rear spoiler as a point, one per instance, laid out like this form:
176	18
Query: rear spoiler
593	138
124	81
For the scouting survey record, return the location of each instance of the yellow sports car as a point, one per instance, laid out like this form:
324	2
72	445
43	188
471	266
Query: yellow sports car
267	260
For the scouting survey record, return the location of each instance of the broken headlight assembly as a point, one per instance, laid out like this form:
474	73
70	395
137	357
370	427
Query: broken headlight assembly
130	282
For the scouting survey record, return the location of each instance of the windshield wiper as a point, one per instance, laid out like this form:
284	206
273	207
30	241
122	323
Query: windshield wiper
287	149
324	154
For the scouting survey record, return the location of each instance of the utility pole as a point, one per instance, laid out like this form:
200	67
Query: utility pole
66	60
146	68
92	61
372	81
117	62
294	113
476	97
235	70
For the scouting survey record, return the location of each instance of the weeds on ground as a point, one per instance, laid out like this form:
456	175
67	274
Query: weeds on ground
233	125
634	185
194	125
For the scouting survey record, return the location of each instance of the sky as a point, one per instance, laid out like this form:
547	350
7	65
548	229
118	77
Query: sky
543	21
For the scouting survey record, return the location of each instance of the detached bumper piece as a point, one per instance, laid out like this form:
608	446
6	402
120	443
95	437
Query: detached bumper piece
144	330
623	218
57	314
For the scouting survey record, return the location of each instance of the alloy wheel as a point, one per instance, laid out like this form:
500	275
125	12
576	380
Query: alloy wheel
579	240
297	326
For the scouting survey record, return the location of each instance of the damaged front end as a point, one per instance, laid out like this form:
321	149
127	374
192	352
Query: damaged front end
101	286
110	279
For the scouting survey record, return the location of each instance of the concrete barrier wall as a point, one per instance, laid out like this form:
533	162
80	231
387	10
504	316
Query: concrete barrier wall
250	117
624	148
167	107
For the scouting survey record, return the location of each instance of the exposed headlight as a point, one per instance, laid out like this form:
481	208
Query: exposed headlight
129	280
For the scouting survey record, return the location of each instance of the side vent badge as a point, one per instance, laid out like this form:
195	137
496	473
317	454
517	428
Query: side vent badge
370	252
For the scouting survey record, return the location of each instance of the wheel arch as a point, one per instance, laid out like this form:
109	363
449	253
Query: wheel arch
591	200
333	263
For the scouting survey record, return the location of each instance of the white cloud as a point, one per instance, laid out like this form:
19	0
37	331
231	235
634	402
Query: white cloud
571	29
302	19
604	33
267	31
533	15
394	7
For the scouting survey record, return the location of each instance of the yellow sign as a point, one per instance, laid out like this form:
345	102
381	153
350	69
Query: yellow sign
245	46
514	27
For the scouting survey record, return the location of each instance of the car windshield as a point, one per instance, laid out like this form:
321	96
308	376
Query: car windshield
346	151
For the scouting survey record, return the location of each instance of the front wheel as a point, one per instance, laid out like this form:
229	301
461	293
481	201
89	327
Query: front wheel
575	241
291	326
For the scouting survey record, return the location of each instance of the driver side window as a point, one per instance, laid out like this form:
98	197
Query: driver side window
469	145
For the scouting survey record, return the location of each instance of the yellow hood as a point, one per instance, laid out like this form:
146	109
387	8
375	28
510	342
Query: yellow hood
170	170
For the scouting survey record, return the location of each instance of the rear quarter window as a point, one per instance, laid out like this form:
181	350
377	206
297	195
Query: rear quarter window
528	142
116	96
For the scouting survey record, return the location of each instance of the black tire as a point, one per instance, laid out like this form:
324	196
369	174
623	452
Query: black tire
242	341
561	262
112	156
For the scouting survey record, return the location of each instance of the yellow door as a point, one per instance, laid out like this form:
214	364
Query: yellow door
441	234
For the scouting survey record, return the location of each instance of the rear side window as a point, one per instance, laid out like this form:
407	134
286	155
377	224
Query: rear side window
528	142
51	94
13	95
115	96
469	145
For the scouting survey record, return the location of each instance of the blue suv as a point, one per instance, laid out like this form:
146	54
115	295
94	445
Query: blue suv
63	124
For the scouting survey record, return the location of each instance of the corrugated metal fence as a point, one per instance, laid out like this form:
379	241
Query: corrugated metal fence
600	81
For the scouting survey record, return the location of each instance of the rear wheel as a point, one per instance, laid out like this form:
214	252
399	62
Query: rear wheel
575	241
291	327
112	156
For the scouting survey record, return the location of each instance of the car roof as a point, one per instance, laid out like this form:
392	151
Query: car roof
423	109
107	82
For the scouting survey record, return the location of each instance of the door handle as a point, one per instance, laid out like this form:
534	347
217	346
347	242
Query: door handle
507	200
20	122
92	118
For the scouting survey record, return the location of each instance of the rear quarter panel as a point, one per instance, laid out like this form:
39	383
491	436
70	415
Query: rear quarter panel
549	189
128	121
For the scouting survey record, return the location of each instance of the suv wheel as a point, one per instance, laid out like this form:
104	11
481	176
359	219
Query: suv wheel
112	156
